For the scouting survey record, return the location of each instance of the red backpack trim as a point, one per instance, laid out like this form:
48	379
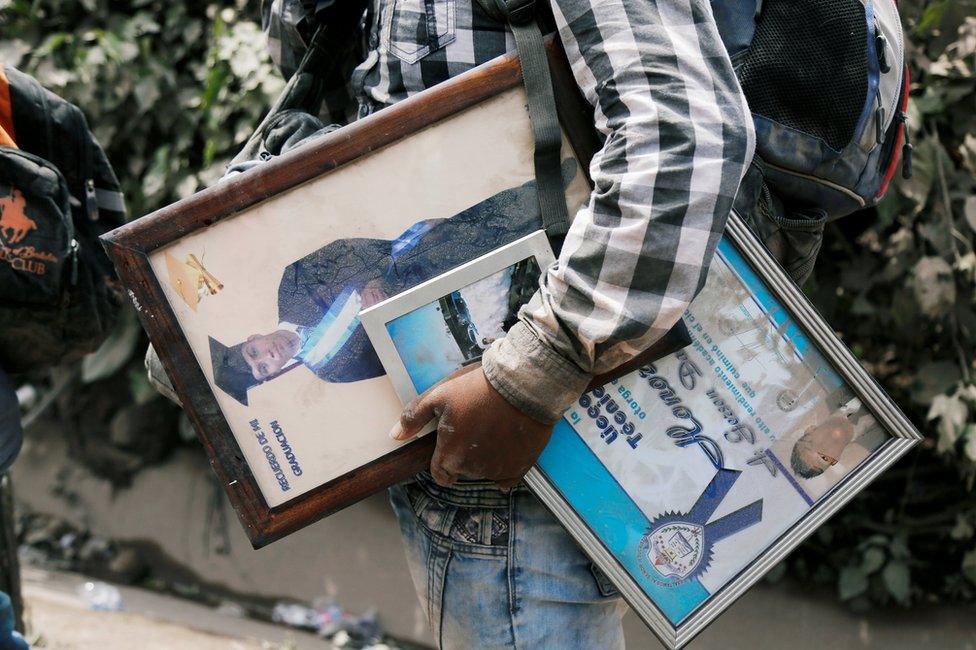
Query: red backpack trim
899	140
8	137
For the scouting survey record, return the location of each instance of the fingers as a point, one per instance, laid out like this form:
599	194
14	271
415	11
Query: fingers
443	464
426	407
416	414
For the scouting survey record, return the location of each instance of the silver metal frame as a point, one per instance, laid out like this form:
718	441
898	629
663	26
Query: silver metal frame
904	437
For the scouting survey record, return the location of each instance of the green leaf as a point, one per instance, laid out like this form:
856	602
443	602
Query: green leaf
931	102
142	391
932	16
919	186
898	581
969	566
853	582
874	559
934	378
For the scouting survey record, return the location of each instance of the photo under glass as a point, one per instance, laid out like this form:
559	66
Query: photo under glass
428	332
456	329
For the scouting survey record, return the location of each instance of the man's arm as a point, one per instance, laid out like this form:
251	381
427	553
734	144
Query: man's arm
678	137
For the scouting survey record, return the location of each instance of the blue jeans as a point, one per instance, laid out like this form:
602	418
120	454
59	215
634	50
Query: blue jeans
495	570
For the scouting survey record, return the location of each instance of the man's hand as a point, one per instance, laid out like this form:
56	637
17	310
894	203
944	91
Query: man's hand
479	434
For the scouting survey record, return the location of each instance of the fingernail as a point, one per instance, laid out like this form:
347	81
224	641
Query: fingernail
397	431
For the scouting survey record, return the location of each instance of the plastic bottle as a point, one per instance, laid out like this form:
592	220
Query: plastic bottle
101	597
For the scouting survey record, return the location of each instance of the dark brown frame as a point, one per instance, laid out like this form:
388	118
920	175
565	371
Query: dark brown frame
129	248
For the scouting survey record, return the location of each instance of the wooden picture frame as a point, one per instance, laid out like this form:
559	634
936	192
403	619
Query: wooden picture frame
134	246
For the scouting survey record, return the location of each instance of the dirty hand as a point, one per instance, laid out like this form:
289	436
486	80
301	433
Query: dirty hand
479	434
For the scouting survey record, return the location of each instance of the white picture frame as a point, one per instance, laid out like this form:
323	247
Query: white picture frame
377	319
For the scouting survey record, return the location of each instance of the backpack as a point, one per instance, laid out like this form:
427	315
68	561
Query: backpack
827	85
59	298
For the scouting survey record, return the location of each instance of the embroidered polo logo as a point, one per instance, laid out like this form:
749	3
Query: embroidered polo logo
14	222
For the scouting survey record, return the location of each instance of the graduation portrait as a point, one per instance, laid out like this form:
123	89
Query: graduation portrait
269	301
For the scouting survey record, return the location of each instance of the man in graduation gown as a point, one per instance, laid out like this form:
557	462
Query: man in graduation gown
320	295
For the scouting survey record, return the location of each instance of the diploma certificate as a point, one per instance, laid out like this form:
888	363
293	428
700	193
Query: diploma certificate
687	479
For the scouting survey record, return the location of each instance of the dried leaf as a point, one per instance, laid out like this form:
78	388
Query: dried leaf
969	210
934	286
951	412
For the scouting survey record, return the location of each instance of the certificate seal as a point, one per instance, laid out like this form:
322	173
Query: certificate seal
786	400
673	551
677	547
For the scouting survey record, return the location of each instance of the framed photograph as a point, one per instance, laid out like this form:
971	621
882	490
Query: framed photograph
426	333
688	479
251	290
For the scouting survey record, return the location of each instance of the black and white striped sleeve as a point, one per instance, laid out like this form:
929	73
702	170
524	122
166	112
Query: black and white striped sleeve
678	138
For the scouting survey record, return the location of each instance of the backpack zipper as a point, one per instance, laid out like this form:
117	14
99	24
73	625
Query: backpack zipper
907	148
881	47
879	119
91	204
74	247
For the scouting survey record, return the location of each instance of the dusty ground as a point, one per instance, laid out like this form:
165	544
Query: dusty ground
59	620
767	618
356	558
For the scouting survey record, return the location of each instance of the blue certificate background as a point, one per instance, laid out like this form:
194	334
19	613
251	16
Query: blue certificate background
605	506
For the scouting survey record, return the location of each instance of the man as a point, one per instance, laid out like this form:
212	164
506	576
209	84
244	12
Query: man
492	568
320	295
821	446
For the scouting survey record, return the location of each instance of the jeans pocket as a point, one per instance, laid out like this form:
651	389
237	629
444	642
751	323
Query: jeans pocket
412	29
460	525
792	235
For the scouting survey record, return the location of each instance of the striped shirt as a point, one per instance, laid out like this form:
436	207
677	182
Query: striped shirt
677	138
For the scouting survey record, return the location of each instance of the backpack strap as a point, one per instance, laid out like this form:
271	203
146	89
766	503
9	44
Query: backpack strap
520	16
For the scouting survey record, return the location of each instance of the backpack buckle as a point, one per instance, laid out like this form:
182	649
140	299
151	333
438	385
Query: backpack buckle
517	12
